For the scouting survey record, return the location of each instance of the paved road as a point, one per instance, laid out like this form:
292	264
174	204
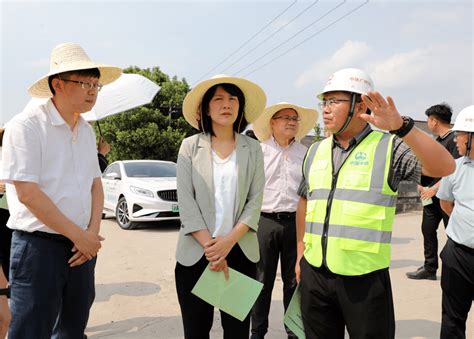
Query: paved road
136	295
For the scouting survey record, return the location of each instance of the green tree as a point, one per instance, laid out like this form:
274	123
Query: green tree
318	133
152	131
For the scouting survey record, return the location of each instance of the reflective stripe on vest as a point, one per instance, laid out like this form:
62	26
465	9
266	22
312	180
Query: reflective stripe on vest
350	232
362	206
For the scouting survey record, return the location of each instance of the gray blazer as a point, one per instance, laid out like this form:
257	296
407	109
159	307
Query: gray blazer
196	195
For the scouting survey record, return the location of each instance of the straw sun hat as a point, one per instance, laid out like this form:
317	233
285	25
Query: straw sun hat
263	129
71	57
255	98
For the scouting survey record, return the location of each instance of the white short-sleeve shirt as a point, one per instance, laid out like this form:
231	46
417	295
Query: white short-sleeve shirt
39	147
459	188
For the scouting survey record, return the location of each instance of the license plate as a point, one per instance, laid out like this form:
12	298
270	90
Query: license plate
174	208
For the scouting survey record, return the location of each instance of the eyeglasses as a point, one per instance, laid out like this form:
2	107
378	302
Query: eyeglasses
86	85
330	102
288	118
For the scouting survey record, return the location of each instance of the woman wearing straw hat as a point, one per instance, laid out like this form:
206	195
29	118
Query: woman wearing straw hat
279	129
220	184
55	199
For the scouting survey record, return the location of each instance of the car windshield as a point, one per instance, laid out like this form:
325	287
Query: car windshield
150	169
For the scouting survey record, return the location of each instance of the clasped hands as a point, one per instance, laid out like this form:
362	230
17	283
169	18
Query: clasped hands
85	247
216	251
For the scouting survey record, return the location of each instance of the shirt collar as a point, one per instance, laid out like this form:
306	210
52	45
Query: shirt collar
55	116
467	161
356	139
52	111
278	145
445	135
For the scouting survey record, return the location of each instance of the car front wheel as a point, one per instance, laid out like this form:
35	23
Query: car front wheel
121	215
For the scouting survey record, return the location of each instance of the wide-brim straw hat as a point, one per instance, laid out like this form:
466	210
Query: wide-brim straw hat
71	57
308	116
255	98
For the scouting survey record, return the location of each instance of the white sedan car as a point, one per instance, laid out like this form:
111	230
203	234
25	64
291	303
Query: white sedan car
140	190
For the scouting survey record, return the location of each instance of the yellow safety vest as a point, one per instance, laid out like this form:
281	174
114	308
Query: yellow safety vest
349	216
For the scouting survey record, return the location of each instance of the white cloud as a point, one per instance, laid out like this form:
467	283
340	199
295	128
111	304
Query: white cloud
419	19
424	77
416	78
350	54
401	69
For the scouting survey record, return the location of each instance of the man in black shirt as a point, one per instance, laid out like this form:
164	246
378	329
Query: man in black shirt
439	119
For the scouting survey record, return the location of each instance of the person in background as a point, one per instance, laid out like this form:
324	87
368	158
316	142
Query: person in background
279	128
5	314
456	194
250	133
55	198
5	232
439	119
347	207
103	148
220	183
5	243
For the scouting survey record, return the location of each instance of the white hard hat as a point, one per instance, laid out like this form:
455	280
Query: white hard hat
348	80
465	120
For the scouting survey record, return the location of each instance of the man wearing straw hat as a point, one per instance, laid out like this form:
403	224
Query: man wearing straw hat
55	199
348	200
279	128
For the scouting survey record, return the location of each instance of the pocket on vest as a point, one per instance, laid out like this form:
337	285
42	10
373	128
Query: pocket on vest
361	229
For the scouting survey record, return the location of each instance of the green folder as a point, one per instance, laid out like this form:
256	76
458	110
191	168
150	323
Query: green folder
235	296
426	202
3	202
293	318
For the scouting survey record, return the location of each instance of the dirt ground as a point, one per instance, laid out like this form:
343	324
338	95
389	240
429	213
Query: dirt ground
136	295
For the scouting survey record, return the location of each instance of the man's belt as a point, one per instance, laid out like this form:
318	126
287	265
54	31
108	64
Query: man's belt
49	236
279	215
463	247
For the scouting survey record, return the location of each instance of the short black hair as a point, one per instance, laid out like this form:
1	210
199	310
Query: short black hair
441	111
251	134
240	123
89	72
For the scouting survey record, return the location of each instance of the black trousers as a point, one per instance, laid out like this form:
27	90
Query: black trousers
457	283
432	216
277	240
329	302
197	314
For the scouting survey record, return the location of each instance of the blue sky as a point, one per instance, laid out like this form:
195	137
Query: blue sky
419	52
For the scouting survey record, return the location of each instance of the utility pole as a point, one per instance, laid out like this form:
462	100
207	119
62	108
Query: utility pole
170	110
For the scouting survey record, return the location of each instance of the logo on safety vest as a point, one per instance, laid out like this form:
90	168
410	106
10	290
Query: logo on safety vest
360	159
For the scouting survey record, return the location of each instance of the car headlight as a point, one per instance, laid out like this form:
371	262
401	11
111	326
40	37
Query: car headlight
141	191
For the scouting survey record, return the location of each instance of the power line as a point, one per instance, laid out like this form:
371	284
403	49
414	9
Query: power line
308	38
292	37
272	35
246	42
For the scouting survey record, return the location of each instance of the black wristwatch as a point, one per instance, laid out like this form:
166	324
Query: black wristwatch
407	126
5	291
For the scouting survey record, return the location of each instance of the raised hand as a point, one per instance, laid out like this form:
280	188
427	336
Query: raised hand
384	113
